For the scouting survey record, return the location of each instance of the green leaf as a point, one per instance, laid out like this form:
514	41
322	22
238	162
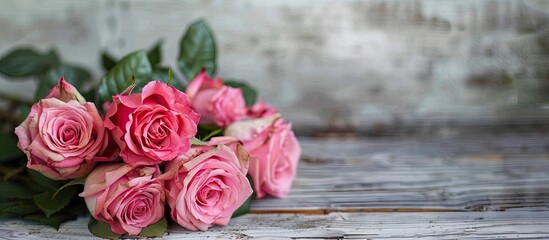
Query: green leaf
25	62
205	130
74	75
50	204
43	181
162	74
155	230
197	50
214	133
119	77
77	181
53	221
12	190
8	148
18	208
155	54
101	229
107	61
89	95
6	205
245	207
250	95
77	207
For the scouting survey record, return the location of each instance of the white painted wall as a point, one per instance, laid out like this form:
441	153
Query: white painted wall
322	62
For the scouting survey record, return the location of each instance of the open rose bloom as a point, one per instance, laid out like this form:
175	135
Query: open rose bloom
153	126
62	134
128	198
205	187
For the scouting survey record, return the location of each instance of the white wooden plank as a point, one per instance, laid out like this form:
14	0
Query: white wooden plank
412	174
421	225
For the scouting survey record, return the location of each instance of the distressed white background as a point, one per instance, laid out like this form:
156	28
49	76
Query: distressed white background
324	63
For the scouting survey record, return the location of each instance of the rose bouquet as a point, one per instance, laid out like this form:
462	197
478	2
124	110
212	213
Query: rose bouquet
145	147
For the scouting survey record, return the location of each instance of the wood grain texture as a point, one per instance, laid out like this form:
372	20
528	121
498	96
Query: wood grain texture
464	173
453	187
455	225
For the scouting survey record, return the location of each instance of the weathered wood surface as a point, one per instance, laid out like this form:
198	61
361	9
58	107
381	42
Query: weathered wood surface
425	225
453	187
464	173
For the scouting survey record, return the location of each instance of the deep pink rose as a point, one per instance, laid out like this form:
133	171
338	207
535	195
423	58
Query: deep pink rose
128	198
62	136
205	188
274	152
216	103
260	110
153	126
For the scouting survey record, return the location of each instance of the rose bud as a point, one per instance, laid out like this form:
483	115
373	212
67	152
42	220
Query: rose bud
216	103
128	198
62	134
205	188
274	152
152	126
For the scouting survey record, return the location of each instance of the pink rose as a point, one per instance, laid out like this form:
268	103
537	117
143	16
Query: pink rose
206	188
216	103
62	136
153	126
274	152
128	198
261	110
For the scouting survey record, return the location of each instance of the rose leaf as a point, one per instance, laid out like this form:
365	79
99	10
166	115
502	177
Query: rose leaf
18	208
107	61
162	74
217	132
197	50
101	229
12	190
50	204
120	76
74	75
26	62
155	230
155	54
8	148
78	181
43	181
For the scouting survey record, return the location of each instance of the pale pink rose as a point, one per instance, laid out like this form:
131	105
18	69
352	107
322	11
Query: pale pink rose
274	152
260	110
153	126
62	138
204	189
216	103
128	198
